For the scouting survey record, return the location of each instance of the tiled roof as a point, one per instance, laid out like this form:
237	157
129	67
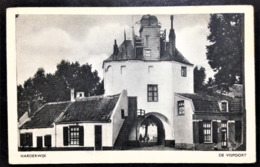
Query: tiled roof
46	115
165	56
97	109
22	107
210	104
92	109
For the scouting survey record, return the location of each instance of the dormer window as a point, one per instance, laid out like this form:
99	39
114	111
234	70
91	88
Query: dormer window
80	95
224	106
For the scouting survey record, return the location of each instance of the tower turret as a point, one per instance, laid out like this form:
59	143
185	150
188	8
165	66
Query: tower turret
115	51
150	37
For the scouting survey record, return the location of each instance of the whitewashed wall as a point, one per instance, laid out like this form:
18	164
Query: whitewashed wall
136	77
183	124
89	134
40	132
116	118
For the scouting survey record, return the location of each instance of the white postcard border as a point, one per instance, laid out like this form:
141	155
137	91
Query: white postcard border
60	157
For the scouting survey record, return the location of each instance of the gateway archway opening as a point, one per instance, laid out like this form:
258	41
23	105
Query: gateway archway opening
151	132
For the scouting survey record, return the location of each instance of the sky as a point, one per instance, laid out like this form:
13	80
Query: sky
44	40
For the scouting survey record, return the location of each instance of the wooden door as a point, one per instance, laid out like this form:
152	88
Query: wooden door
39	142
98	137
224	137
132	107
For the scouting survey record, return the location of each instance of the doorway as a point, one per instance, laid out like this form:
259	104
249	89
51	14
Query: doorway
39	141
224	137
151	132
98	137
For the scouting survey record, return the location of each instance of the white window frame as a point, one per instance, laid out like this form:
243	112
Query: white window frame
178	107
211	135
227	107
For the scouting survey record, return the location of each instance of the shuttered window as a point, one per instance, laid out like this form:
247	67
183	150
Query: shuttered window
65	136
26	139
73	135
22	140
47	141
207	131
238	131
215	132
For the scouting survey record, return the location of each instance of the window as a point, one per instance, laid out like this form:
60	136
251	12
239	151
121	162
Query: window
224	106
207	131
26	139
181	107
152	93
47	141
183	71
108	68
150	69
147	53
74	135
123	69
223	124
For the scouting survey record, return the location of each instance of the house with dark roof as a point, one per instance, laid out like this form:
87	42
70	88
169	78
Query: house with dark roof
204	122
89	123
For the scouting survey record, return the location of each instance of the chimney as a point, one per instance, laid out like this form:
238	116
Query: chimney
29	107
115	52
172	46
72	96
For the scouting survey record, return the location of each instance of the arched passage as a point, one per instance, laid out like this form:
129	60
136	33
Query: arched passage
151	131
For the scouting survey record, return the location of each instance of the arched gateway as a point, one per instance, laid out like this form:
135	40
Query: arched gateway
151	131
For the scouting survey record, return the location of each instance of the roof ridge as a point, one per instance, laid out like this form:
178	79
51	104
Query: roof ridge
62	113
58	102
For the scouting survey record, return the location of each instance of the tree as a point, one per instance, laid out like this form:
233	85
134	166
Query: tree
56	87
199	77
226	51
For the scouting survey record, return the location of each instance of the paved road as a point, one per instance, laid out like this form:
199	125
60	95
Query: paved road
158	147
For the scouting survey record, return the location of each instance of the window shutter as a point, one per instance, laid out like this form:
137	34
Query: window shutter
65	136
47	140
201	135
22	140
81	136
215	132
29	139
238	131
196	132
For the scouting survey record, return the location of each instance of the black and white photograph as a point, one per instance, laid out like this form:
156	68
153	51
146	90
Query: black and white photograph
130	82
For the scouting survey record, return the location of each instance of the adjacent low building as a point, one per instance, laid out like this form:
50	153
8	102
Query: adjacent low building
83	123
204	122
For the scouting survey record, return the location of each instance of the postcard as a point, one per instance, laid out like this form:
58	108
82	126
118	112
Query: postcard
131	85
